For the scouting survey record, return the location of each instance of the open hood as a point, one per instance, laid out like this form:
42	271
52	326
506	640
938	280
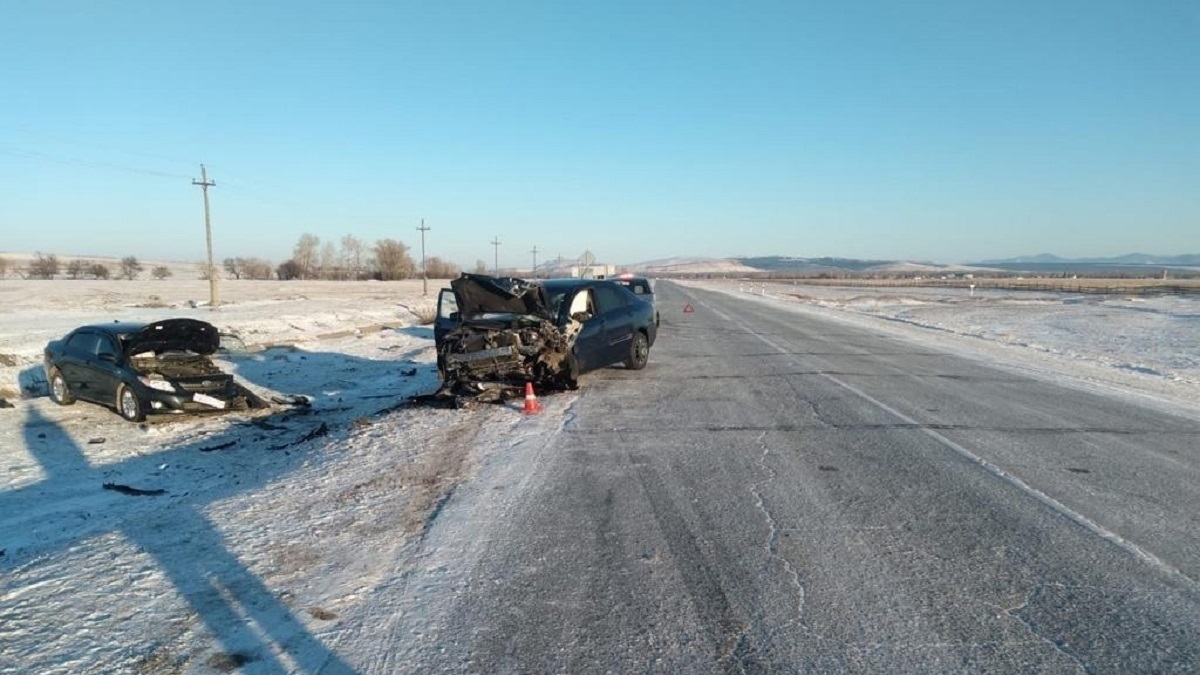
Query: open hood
479	294
174	335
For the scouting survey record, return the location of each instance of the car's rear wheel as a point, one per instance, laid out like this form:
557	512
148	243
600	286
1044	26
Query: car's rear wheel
639	352
128	405
60	393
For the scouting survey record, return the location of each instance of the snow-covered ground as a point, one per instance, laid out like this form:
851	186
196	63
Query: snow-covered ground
280	540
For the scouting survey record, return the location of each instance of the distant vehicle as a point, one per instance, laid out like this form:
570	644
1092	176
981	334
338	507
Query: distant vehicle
507	331
144	369
641	287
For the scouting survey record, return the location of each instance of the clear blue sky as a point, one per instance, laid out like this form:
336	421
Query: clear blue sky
941	130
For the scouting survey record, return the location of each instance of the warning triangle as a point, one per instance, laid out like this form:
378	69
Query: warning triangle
687	309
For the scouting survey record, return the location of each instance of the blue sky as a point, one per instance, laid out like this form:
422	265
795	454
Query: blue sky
939	130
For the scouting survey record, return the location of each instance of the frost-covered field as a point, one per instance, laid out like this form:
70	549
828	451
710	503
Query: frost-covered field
281	540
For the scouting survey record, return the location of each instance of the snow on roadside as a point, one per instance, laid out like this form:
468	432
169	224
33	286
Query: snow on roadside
205	544
1145	347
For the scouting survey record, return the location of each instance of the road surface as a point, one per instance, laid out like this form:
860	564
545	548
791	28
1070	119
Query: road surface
779	494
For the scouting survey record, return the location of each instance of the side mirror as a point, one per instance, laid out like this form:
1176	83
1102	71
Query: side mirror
454	316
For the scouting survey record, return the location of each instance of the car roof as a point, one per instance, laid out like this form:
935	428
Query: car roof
116	327
567	284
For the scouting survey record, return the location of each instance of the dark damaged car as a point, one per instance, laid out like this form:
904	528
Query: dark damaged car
494	334
144	369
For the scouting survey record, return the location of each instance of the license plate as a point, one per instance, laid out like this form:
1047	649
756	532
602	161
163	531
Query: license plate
208	400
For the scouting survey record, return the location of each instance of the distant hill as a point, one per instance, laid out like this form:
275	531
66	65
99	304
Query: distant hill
1185	260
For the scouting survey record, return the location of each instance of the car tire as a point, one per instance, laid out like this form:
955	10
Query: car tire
128	405
60	393
639	352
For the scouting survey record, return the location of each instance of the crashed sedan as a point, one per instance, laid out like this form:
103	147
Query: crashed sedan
144	369
503	332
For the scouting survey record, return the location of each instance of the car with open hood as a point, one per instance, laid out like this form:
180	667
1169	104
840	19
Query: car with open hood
141	369
498	332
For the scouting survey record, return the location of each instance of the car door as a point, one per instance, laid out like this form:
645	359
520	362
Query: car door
617	319
591	342
106	368
78	366
447	315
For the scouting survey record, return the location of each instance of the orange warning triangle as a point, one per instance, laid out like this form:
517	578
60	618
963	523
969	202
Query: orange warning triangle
687	309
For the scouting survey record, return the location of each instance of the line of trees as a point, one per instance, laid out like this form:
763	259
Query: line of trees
385	260
349	259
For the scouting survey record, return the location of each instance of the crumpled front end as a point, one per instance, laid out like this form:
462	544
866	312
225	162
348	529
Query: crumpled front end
492	360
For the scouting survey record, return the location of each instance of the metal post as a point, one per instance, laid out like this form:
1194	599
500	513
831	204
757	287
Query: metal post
534	252
424	277
496	260
205	183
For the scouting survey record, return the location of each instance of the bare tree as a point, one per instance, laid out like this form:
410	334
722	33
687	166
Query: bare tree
76	268
235	266
256	268
329	261
99	270
161	272
43	266
288	270
130	267
305	255
437	268
481	267
353	251
393	260
3	267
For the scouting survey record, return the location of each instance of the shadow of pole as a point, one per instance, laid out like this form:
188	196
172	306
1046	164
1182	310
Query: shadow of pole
251	624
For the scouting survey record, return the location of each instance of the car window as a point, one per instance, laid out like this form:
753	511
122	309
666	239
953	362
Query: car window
582	302
104	345
83	344
447	305
608	299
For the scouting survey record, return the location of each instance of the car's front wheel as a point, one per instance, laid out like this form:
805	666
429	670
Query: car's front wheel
60	393
128	405
639	352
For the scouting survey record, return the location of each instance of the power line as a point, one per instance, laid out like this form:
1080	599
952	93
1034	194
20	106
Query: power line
91	164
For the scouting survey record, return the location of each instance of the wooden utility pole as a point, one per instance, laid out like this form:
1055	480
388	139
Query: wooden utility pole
205	183
424	277
496	260
534	252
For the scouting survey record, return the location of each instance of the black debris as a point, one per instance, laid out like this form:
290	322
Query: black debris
219	446
320	431
409	373
5	404
96	441
132	491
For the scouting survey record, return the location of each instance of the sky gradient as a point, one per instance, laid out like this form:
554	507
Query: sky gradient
940	130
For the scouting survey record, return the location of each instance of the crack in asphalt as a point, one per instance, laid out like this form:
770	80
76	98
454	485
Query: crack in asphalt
1011	612
772	543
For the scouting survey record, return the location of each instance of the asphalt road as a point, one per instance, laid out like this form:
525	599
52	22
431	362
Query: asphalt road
777	494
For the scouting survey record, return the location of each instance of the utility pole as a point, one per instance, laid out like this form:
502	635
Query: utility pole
496	260
205	183
534	252
424	277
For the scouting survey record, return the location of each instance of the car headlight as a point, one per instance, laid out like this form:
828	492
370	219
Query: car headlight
161	385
